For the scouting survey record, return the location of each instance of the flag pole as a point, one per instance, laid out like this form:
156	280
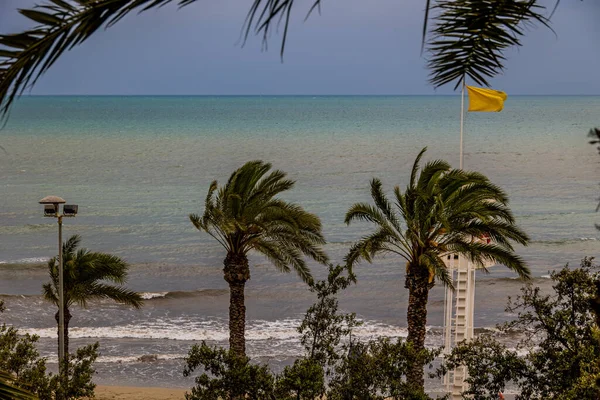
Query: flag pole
462	122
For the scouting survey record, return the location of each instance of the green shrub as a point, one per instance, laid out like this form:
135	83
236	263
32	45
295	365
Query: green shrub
562	343
302	381
324	326
231	376
377	370
20	358
80	371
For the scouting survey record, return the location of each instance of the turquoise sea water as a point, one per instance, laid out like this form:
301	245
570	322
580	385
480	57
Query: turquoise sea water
137	166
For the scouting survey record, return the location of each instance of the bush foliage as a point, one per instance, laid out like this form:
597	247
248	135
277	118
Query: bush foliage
561	350
333	367
558	357
20	358
231	376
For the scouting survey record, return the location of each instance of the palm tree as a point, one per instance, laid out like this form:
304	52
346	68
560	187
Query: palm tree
441	211
85	278
60	25
246	215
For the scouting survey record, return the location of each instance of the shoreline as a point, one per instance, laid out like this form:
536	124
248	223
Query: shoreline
109	392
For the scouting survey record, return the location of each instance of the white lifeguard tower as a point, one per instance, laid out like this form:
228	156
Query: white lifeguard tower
459	307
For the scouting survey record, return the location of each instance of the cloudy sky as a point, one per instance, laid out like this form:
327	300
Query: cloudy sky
353	47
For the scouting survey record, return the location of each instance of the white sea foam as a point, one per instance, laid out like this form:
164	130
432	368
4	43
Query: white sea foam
522	352
271	340
52	358
30	260
153	295
213	330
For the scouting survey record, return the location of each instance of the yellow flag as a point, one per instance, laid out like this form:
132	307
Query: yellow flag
487	100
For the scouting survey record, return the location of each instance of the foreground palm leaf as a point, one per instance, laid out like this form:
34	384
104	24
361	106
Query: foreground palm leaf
85	277
264	15
61	25
428	5
8	389
245	215
470	36
439	213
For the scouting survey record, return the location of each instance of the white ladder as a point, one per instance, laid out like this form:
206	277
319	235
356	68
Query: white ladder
458	321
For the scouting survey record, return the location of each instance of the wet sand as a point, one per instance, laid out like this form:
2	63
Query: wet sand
137	393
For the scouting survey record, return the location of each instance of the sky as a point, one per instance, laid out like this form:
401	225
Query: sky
353	47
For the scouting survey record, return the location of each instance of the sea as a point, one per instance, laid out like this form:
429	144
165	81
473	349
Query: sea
138	166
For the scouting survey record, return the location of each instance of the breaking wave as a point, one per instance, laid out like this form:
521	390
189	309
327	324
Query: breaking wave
180	294
564	241
212	330
29	260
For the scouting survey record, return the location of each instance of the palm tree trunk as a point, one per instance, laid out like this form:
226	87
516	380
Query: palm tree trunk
66	323
67	320
236	273
61	394
418	288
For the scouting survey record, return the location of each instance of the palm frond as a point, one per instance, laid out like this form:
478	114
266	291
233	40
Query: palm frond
85	274
117	293
462	184
49	293
427	16
499	231
78	294
365	212
425	23
10	390
383	204
415	168
306	244
430	175
53	270
273	254
207	223
100	266
435	264
401	203
470	37
59	25
71	244
292	227
376	243
246	214
266	15
212	218
265	190
284	257
479	252
444	211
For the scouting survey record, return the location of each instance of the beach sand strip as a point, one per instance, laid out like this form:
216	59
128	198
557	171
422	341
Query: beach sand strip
137	393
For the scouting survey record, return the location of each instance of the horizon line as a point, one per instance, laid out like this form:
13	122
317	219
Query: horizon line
286	95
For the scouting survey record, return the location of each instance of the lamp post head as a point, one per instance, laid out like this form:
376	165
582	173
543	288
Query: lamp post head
52	200
51	205
70	210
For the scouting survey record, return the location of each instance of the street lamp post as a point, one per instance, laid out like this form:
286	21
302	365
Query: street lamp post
52	209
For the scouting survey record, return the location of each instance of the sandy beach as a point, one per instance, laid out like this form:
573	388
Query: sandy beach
137	393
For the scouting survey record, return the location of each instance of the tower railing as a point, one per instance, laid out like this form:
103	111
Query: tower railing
459	307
